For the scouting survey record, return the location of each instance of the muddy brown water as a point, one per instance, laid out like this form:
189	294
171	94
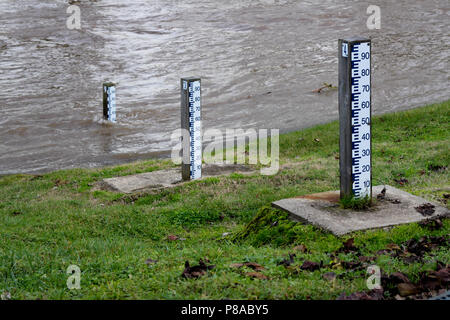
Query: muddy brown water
259	61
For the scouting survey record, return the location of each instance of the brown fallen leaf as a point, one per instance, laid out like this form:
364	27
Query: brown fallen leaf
424	244
444	276
366	259
172	237
382	252
195	271
310	266
429	281
426	209
257	275
252	265
407	289
398	277
413	250
287	262
432	224
435	167
401	181
59	182
376	294
350	265
382	194
348	246
393	247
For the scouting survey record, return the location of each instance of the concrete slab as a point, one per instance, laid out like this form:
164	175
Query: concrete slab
323	210
166	178
149	180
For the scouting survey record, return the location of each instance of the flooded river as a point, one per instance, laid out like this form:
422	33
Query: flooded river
259	61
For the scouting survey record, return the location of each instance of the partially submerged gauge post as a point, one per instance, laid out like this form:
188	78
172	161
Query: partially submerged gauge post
191	126
109	101
355	110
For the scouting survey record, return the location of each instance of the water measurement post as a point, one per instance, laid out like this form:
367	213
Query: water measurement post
109	101
355	142
191	125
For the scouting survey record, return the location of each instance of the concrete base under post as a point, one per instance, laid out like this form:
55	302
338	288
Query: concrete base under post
323	210
169	178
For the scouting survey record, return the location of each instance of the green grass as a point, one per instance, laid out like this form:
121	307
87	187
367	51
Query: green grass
58	219
350	202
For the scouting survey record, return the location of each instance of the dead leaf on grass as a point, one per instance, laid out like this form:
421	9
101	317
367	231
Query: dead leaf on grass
398	277
407	289
59	182
366	259
432	224
393	247
348	246
435	167
401	181
252	265
287	262
376	294
195	271
310	266
350	265
257	275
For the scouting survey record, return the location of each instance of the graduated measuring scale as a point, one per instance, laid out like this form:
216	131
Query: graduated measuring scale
109	101
191	123
355	117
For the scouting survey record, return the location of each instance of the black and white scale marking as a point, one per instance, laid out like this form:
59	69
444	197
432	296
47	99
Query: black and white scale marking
361	119
195	129
111	102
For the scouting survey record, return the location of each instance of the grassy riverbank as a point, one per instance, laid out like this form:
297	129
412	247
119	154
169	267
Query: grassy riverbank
51	221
